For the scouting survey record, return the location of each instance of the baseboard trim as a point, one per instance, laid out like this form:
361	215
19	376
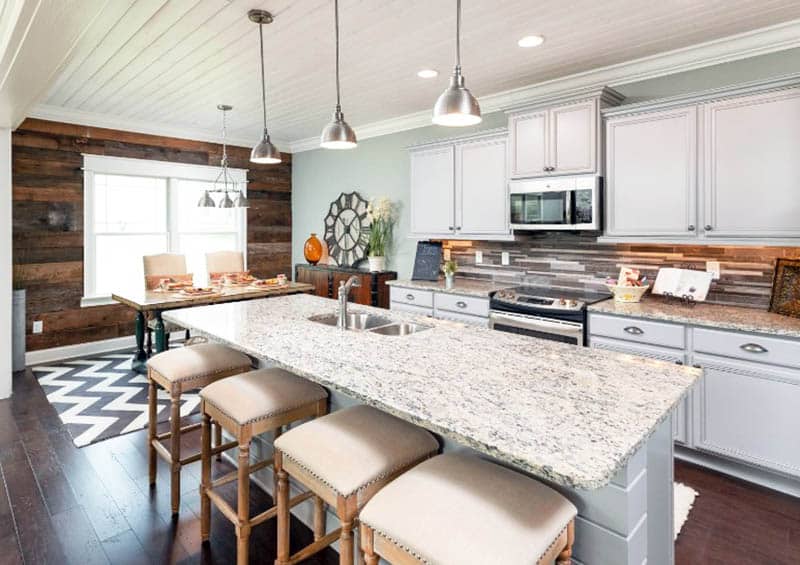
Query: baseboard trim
78	350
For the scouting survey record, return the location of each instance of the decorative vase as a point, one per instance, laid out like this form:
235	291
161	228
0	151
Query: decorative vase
449	280
377	263
312	250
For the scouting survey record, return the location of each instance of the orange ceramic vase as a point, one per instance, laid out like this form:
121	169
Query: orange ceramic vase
313	249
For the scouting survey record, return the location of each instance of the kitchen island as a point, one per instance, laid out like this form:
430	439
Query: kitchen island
593	424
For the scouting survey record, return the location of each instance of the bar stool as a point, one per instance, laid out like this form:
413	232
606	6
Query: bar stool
344	458
246	405
456	509
178	371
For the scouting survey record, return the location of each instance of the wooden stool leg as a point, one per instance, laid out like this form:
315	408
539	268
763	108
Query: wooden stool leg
319	518
368	545
243	504
282	510
175	451
152	408
217	437
276	434
205	478
346	543
565	557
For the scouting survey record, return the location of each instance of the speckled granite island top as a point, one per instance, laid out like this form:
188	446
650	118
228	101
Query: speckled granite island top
571	415
464	287
710	315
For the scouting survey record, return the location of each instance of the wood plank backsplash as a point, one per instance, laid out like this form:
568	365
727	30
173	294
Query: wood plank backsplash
575	260
48	220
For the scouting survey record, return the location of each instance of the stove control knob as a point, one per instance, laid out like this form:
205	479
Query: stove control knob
572	303
562	302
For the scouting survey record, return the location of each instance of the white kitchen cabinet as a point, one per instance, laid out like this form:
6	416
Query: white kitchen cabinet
573	138
432	195
459	188
652	174
751	166
442	305
528	134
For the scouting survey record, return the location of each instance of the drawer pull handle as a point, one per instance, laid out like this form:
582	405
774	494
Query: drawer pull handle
633	330
409	297
753	348
697	366
679	362
461	304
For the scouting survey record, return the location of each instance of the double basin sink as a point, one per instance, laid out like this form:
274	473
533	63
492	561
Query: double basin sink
363	322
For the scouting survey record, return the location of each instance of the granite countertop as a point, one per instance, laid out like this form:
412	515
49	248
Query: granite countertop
466	287
567	414
709	315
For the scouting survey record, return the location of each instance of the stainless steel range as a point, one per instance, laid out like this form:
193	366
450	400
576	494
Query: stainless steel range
543	312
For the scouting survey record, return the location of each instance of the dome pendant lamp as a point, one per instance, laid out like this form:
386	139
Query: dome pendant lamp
457	106
337	134
265	152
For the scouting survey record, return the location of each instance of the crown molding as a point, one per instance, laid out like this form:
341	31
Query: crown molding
732	48
84	118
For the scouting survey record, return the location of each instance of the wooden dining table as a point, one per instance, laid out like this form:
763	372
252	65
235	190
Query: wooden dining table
151	303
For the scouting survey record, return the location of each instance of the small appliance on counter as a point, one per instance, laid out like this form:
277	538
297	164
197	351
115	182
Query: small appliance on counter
543	312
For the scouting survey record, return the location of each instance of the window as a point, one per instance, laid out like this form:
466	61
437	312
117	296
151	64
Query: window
136	207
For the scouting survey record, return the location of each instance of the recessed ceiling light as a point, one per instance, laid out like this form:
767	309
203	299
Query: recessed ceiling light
428	73
531	41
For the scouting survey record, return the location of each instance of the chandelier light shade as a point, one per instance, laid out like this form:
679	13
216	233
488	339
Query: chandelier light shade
241	201
337	134
456	106
264	152
206	201
226	201
224	183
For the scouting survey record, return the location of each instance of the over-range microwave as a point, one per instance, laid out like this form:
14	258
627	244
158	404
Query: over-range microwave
561	203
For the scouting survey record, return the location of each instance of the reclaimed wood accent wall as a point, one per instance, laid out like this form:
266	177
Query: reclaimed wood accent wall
48	220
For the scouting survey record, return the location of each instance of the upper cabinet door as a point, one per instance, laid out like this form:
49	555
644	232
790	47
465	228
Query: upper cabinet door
432	191
752	166
529	144
573	138
652	174
481	187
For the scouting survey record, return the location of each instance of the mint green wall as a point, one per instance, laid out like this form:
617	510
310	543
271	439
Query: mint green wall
379	165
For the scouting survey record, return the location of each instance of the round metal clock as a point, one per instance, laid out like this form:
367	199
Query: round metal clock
347	229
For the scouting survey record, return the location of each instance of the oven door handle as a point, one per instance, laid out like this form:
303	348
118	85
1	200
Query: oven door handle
558	327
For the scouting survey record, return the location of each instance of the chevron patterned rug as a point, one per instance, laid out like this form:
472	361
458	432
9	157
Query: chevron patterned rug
101	397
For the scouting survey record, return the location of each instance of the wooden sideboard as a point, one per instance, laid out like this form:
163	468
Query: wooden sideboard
325	278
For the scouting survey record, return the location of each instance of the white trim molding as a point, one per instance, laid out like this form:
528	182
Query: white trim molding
733	48
79	350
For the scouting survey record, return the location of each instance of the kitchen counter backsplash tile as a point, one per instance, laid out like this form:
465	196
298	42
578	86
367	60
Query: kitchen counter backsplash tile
577	260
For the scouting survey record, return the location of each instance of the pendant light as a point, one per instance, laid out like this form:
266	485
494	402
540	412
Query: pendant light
337	134
265	152
457	106
206	201
224	183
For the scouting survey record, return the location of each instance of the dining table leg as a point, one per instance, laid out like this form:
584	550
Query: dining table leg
139	363
161	336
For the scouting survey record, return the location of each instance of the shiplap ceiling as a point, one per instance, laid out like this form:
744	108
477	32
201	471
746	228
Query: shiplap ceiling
171	62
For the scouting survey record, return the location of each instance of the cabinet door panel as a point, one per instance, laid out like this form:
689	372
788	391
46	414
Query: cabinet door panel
573	135
432	191
317	278
528	144
652	174
481	188
749	412
752	166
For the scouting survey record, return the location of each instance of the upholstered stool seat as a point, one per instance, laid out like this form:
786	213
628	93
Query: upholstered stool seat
456	509
344	458
245	405
177	371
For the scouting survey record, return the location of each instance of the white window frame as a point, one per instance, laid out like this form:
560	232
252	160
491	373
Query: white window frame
169	171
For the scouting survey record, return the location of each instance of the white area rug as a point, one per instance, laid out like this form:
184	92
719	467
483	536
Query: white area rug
684	499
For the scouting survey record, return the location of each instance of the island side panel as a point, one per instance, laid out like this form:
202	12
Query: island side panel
660	496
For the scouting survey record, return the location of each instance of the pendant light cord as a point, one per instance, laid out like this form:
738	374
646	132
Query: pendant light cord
263	80
458	35
224	171
336	27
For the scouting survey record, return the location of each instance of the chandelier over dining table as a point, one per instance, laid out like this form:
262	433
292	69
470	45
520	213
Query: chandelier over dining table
232	192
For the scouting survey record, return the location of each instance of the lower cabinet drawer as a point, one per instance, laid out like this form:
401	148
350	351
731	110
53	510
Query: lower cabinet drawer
412	296
402	307
465	318
639	331
775	351
471	305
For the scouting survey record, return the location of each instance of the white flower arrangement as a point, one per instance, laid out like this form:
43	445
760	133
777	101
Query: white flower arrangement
381	215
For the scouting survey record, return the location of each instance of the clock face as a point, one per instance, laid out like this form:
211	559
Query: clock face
347	229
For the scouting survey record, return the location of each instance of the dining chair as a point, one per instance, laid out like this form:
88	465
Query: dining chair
156	268
220	262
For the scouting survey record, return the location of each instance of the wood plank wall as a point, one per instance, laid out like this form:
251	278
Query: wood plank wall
48	220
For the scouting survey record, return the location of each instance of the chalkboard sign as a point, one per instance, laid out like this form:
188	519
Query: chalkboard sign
428	261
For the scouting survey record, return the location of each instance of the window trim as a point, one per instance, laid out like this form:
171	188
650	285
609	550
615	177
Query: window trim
172	173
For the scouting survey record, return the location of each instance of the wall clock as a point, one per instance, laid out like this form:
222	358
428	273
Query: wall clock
347	229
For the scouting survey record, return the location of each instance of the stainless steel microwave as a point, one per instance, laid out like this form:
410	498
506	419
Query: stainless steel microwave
561	203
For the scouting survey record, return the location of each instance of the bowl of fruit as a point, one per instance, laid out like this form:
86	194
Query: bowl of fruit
630	286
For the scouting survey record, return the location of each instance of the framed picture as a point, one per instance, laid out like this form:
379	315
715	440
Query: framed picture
786	288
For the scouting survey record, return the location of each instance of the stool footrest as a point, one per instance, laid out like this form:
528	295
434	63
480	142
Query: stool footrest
232	476
231	514
313	548
272	512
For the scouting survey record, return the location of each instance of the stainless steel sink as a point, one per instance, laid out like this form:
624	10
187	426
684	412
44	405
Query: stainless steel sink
358	321
400	328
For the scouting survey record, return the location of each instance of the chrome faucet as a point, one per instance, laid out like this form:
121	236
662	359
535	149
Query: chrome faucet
344	292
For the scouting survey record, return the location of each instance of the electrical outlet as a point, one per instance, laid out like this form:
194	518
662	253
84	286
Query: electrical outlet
446	254
713	268
504	258
38	326
478	257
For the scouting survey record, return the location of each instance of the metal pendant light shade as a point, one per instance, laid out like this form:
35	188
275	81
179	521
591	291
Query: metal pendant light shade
206	201
241	201
457	107
264	152
337	134
226	201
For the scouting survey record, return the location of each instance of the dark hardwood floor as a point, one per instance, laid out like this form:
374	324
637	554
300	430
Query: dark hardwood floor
60	504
